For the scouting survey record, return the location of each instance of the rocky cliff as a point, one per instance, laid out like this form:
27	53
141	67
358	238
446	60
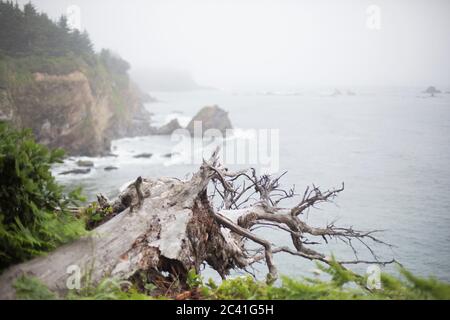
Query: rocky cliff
74	112
54	82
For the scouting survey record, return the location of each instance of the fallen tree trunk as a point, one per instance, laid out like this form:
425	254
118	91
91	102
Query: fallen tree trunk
166	227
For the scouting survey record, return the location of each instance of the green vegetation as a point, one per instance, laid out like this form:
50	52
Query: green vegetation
30	42
25	32
29	288
34	215
113	62
94	215
344	285
108	289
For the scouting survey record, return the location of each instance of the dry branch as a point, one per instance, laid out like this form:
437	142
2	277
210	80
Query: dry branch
167	226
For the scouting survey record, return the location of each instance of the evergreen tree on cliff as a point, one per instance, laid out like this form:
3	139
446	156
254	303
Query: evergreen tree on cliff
29	32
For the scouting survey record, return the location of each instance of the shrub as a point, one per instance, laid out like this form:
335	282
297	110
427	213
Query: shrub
33	208
29	288
344	285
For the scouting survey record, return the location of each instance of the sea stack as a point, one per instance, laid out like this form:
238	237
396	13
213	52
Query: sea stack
211	117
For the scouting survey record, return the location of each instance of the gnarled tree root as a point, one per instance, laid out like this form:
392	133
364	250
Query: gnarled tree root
166	227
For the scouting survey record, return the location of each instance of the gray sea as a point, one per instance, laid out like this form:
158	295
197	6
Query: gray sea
391	147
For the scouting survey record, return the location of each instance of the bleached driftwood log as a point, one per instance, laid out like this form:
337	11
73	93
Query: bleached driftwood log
167	226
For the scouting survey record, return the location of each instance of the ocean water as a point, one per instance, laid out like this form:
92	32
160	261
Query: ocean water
391	147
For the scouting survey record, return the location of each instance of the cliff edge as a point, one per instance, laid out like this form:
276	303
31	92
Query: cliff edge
53	81
65	111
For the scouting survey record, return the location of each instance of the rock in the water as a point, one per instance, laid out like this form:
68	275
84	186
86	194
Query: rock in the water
85	163
111	155
211	117
168	128
143	155
76	171
110	168
432	91
170	155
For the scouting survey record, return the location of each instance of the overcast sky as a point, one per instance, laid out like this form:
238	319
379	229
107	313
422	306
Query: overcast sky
283	43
